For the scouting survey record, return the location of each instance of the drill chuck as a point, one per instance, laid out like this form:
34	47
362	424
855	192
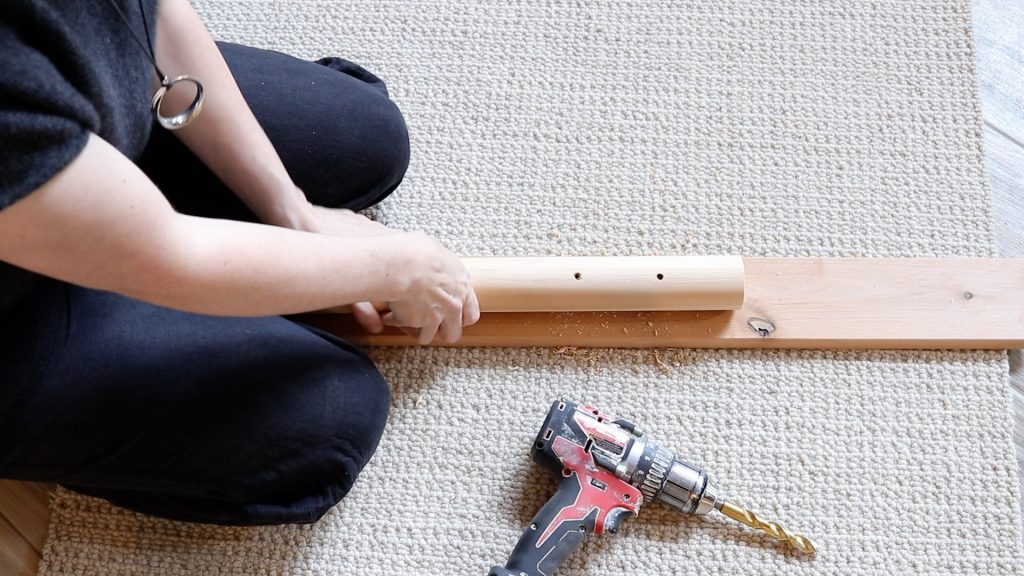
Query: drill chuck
659	475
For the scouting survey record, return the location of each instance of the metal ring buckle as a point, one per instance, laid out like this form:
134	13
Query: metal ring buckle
189	114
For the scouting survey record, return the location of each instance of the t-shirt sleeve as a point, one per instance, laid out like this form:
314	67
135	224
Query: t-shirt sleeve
43	119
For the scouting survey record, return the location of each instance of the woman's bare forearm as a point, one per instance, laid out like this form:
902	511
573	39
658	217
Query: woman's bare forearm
101	223
237	268
225	136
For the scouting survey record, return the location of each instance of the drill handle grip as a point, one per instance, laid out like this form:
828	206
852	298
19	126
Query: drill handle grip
557	531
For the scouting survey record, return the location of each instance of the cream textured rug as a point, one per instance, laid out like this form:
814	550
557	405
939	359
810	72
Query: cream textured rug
634	127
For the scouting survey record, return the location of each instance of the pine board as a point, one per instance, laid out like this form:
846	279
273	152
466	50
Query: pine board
860	303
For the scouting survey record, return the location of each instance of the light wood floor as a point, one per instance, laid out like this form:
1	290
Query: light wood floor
999	32
24	515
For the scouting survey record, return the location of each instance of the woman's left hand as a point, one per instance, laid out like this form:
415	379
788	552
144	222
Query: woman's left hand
342	222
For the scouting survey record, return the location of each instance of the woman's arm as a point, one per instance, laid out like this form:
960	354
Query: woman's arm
101	223
229	140
226	135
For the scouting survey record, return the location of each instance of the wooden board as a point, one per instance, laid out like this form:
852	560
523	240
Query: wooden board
894	303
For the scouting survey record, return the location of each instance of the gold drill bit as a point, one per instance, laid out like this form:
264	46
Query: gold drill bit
773	529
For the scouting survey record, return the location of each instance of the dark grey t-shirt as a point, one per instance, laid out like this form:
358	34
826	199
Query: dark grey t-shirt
67	68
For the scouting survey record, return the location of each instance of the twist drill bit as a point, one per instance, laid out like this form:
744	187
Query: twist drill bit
773	529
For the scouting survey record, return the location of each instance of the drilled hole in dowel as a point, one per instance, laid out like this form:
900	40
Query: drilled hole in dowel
661	276
577	275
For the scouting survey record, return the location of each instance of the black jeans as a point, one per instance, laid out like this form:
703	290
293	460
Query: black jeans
203	418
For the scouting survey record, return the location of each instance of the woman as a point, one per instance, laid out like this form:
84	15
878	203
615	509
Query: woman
142	359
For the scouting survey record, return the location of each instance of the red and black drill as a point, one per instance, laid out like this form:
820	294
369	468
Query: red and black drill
609	469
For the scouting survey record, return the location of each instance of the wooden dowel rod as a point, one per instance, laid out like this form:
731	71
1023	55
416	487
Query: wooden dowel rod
599	283
604	283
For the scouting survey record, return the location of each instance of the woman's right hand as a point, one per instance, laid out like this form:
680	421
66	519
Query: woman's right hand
437	296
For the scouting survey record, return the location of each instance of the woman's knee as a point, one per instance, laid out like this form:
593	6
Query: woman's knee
359	152
390	150
386	137
337	435
363	159
360	419
332	438
349	432
342	139
383	156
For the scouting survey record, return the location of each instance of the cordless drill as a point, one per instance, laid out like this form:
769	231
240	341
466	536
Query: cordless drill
609	469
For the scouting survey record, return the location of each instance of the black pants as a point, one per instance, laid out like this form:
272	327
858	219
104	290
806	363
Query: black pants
203	418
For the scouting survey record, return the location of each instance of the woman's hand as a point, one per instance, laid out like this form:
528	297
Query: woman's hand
438	298
341	222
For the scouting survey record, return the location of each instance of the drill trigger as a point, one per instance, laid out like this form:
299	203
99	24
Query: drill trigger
615	518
